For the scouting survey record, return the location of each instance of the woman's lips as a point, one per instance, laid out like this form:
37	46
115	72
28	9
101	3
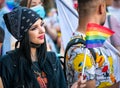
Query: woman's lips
41	37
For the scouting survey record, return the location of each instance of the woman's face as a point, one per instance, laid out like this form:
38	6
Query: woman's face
35	3
37	32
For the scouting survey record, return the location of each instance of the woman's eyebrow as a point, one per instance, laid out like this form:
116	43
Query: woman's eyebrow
34	2
33	26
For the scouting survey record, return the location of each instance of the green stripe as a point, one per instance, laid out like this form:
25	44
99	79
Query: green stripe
95	37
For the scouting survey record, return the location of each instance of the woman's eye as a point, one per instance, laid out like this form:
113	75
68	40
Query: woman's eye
33	28
42	24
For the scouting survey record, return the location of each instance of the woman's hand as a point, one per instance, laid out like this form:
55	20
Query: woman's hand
80	83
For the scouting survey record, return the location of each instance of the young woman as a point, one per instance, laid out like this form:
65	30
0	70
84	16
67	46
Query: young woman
30	65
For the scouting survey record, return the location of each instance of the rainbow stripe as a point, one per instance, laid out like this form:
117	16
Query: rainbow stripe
96	35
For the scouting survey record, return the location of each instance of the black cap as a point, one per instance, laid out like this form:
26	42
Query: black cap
20	20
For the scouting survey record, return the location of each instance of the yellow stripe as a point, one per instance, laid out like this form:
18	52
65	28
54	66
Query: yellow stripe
97	33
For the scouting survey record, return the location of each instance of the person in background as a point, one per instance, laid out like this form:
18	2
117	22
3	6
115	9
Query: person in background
92	11
1	3
36	2
112	23
7	43
37	6
114	9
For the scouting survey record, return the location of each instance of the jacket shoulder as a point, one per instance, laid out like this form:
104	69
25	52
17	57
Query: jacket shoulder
5	59
8	59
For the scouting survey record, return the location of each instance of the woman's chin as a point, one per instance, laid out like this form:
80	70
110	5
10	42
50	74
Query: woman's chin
41	42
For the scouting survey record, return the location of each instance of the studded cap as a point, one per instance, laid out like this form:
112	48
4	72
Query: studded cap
20	20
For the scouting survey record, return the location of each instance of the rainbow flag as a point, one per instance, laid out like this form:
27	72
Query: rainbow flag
96	35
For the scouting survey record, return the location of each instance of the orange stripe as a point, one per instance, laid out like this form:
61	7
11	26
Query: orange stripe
98	28
92	33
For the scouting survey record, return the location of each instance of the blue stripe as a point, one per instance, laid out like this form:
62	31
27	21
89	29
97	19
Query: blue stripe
95	41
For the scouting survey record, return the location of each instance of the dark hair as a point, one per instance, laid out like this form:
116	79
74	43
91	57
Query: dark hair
2	35
25	49
86	7
24	3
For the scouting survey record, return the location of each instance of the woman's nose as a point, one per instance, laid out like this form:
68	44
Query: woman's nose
41	29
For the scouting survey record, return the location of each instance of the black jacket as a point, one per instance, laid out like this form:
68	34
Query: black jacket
18	73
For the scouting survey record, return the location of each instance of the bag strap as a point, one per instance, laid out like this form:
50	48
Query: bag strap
109	21
75	41
109	25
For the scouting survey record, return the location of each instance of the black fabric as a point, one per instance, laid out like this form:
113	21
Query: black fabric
54	72
2	34
33	45
13	78
20	20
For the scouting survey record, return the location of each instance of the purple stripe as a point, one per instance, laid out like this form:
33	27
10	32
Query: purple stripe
93	45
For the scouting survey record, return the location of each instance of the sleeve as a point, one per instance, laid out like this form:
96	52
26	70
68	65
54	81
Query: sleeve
75	61
115	27
5	71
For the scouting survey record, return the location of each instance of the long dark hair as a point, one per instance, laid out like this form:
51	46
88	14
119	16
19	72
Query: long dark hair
24	75
25	50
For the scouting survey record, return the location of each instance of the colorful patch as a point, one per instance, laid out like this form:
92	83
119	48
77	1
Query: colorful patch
100	60
104	85
78	62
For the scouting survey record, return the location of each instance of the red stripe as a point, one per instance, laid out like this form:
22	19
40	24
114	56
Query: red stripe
99	28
